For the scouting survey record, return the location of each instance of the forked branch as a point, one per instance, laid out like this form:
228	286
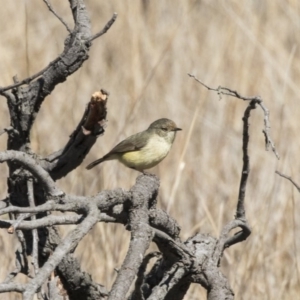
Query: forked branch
255	99
225	240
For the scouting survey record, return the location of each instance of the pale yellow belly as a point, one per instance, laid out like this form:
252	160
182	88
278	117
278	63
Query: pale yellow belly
149	156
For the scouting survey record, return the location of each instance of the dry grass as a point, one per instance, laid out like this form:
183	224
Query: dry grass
250	46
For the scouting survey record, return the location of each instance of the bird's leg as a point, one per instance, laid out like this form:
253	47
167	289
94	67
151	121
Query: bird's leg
145	173
142	171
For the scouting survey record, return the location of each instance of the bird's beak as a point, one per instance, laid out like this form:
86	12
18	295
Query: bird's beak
177	129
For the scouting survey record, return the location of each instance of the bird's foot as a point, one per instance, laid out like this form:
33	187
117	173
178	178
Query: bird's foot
146	173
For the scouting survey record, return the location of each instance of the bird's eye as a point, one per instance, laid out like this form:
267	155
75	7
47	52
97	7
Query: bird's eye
164	129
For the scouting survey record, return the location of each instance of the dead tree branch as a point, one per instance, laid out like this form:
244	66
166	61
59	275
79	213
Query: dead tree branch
92	125
141	235
105	29
290	179
34	194
35	254
43	222
24	100
57	16
68	244
221	290
30	164
255	99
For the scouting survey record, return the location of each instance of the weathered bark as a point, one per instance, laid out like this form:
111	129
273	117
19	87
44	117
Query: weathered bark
24	103
178	263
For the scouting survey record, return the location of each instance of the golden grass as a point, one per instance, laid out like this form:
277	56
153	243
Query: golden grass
143	61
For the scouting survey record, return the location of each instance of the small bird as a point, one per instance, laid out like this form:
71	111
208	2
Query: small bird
145	149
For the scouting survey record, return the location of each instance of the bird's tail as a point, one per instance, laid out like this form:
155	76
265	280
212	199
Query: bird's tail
94	163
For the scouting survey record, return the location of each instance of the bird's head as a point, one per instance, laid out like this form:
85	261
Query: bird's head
165	128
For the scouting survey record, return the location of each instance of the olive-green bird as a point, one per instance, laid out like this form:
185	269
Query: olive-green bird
145	149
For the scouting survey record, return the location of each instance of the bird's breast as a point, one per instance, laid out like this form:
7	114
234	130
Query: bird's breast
150	155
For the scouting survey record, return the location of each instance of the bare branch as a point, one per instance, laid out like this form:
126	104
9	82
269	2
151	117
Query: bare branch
161	220
68	62
256	99
30	164
104	201
48	206
225	241
240	210
12	287
266	130
205	269
24	104
28	79
45	222
79	284
143	192
239	236
82	139
68	244
105	29
57	16
23	252
96	112
290	179
170	247
15	223
35	238
226	91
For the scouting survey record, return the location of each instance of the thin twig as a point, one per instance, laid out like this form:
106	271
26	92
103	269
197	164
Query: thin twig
46	207
240	217
105	29
67	245
240	210
15	223
40	73
28	79
22	241
57	16
226	91
225	241
257	99
266	130
50	220
290	179
35	253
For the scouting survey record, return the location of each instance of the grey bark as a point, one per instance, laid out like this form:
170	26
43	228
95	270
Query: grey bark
31	177
24	101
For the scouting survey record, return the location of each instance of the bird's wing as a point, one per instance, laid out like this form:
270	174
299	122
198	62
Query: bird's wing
132	143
